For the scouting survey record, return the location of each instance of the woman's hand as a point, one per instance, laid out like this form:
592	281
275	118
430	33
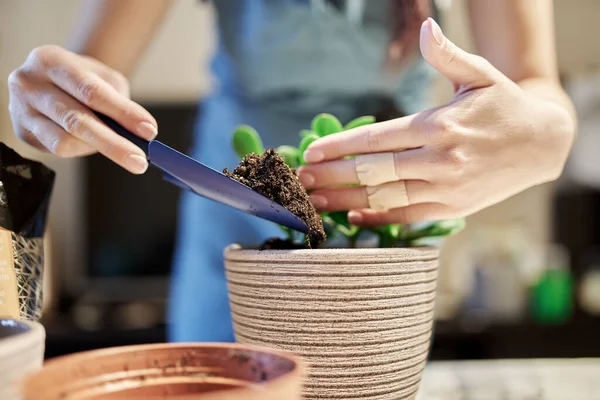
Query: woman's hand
492	141
52	96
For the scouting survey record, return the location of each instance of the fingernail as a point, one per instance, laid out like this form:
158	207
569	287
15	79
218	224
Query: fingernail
313	156
354	217
436	31
147	130
136	163
306	179
318	201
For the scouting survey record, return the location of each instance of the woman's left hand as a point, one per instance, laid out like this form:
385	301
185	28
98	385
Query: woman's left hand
492	141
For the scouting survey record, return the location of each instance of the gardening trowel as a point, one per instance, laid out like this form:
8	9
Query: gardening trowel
190	174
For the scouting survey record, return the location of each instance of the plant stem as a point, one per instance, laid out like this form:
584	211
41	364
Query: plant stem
353	238
289	233
386	241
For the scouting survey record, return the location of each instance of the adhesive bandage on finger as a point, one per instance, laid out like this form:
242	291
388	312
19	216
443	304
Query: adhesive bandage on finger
375	169
387	196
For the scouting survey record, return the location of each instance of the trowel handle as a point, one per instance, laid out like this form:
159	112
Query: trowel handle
115	126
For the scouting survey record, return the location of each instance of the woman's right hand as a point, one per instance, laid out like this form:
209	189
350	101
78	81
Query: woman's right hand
52	96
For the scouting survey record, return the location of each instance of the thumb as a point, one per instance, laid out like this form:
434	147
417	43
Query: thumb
462	68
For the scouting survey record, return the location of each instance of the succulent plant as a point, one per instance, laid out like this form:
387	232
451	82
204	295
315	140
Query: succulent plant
246	140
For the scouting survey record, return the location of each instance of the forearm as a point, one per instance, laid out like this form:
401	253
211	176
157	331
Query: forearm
517	37
116	32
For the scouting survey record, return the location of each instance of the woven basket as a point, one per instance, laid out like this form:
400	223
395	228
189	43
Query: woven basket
361	318
28	256
21	276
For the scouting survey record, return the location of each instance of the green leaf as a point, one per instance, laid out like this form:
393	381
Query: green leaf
448	227
326	124
439	228
306	132
329	225
385	238
246	141
340	217
388	234
289	232
349	232
306	141
290	155
394	230
354	230
341	220
380	230
360	121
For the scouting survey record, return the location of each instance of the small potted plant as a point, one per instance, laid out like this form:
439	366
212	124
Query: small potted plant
358	307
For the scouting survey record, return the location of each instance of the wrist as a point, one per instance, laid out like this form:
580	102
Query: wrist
551	91
559	127
556	121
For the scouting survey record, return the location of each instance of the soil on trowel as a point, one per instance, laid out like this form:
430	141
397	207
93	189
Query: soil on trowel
269	175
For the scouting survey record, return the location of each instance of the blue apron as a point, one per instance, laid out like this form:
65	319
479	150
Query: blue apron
278	64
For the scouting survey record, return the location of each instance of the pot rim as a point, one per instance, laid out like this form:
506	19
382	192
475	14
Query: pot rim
22	341
235	252
300	365
181	345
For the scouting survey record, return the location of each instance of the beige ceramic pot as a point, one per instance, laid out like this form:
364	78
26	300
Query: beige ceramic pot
21	352
362	318
170	372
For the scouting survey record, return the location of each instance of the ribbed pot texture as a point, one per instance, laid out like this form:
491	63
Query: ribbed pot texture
175	371
361	318
21	352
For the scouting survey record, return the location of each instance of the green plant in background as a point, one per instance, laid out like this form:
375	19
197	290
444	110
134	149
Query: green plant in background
246	141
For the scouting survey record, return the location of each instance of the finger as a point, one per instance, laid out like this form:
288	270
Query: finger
114	78
20	113
352	198
87	87
100	96
460	67
28	137
78	121
51	137
397	134
328	174
405	215
413	164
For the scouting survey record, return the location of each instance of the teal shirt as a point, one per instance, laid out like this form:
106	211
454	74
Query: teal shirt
310	53
278	64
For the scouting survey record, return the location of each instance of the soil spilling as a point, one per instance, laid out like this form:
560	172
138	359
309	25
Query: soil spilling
269	175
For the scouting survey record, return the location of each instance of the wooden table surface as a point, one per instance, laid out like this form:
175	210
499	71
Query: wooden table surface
537	379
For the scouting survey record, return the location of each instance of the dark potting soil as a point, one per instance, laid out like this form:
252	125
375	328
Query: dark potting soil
269	175
276	243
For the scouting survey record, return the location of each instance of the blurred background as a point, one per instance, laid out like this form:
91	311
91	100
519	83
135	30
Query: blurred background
523	280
